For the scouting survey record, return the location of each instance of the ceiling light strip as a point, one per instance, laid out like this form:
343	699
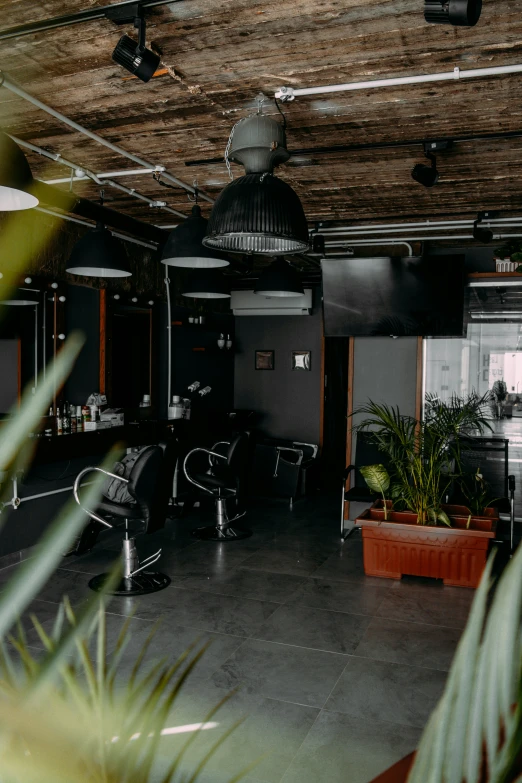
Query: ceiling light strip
286	93
125	237
13	87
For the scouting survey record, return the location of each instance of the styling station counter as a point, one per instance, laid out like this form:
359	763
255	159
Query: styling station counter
37	496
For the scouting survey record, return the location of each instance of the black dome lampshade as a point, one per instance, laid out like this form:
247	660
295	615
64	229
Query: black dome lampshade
207	284
258	213
99	254
184	246
16	180
280	279
22	297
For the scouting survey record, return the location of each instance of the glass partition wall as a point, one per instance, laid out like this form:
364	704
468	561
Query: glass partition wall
491	352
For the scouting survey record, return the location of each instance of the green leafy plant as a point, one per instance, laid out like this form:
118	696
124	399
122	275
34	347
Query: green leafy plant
475	732
424	457
476	491
499	391
378	480
65	716
511	250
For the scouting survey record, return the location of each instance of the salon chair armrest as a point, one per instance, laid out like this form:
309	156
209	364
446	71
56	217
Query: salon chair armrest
200	450
76	488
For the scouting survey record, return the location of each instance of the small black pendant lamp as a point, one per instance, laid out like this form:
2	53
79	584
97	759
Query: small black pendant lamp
16	180
279	280
184	246
99	254
207	284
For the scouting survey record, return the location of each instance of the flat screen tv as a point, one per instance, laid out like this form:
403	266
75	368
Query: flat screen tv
394	296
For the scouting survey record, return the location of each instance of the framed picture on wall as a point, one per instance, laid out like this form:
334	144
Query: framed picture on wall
301	360
264	360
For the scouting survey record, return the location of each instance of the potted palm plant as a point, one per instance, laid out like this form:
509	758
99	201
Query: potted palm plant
413	531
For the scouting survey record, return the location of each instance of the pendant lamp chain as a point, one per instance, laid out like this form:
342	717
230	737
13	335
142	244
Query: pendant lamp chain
227	149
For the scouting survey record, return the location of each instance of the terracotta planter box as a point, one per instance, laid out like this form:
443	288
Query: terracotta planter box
458	515
401	546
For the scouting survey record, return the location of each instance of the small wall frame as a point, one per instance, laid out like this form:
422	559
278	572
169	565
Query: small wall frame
264	360
302	360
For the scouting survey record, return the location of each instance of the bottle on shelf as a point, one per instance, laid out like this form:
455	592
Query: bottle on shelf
66	418
79	419
221	342
228	342
59	421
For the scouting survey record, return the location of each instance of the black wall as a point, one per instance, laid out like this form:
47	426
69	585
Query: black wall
288	400
210	366
82	312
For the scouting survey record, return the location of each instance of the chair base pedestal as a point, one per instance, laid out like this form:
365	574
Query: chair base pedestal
140	584
215	533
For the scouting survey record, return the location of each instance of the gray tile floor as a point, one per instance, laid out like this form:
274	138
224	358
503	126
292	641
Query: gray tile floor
336	673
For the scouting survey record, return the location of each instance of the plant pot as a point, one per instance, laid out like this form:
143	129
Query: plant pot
459	516
401	546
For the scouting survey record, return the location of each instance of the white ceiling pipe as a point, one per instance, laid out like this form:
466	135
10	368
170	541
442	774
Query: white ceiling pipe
92	176
10	85
368	244
132	192
421	228
384	241
63	216
289	93
342	231
106	174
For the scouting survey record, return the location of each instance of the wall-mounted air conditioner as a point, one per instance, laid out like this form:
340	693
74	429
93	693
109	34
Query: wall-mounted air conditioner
249	303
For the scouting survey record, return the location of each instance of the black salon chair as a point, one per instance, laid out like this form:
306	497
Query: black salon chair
225	481
150	485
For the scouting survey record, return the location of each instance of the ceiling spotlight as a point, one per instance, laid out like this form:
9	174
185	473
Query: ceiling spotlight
207	284
16	180
484	235
426	175
99	254
279	279
135	57
461	13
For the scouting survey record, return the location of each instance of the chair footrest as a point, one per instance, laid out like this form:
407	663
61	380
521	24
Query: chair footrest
140	584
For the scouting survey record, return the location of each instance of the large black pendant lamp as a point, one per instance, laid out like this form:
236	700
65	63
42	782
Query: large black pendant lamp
258	213
207	284
99	254
279	280
16	180
184	246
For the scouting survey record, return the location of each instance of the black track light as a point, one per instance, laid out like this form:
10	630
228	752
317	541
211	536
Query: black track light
135	57
484	235
426	175
461	13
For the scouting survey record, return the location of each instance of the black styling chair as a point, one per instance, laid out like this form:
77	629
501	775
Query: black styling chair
224	481
366	453
150	484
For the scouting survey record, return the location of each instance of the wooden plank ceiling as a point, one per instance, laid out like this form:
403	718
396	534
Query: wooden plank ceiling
216	57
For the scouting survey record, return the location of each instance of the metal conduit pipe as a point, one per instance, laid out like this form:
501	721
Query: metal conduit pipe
104	174
95	177
10	85
393	240
92	225
289	93
420	228
342	231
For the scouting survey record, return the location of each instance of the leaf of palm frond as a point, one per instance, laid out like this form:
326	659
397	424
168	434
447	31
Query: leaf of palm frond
214	747
32	574
73	636
26	419
193	736
448	724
